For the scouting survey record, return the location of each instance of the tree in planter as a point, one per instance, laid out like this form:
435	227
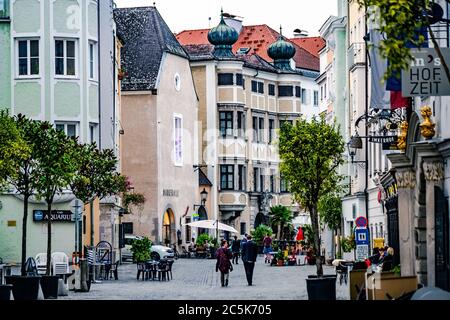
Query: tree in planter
202	238
330	212
55	170
95	173
311	152
141	249
23	180
280	216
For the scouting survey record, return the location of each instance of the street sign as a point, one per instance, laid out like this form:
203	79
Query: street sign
57	215
426	75
362	252
362	236
383	139
195	217
361	222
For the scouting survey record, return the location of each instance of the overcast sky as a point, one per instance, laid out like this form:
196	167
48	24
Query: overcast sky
180	15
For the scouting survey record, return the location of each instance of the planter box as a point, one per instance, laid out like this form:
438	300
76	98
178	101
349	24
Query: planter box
321	288
5	292
356	280
395	286
49	286
24	288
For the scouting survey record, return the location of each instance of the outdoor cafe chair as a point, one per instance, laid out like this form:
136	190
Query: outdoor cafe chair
60	263
41	263
140	270
163	270
169	268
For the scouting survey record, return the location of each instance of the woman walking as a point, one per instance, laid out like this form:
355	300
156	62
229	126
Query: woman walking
223	263
267	242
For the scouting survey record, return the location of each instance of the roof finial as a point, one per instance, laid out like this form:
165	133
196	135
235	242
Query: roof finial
281	30
154	4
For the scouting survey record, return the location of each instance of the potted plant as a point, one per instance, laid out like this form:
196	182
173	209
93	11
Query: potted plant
310	165
258	235
122	73
280	258
141	249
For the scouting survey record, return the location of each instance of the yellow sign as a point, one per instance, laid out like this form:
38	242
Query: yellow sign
378	242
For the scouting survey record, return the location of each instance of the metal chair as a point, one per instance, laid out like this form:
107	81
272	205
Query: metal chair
169	268
140	270
163	270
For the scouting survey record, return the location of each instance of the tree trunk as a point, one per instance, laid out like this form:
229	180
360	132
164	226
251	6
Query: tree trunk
24	233
315	227
49	237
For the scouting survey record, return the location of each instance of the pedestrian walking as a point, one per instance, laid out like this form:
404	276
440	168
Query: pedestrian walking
267	242
249	254
235	248
223	263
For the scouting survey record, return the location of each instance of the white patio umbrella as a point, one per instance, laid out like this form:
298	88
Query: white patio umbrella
211	224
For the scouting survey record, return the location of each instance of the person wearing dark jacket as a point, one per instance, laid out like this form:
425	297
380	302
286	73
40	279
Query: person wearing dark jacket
223	263
235	248
249	254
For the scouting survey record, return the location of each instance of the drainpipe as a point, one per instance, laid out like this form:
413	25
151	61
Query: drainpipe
366	67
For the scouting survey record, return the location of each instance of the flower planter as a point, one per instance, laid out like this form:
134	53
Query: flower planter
24	288
49	286
280	263
5	292
323	288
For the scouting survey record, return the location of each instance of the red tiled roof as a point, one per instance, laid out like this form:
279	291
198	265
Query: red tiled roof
257	38
311	44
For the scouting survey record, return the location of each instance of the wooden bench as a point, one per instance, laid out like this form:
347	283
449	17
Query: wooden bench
389	286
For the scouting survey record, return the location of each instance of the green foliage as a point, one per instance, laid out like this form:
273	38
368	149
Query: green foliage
13	148
280	217
96	174
260	232
311	152
348	243
308	233
136	199
399	22
279	255
141	249
202	238
397	270
330	211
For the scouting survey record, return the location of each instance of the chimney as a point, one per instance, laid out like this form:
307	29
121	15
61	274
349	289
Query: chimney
298	33
233	21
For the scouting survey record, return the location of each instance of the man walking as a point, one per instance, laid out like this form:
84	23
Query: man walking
235	248
249	254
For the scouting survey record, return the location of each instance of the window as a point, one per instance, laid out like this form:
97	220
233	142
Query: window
227	177
92	73
241	178
354	211
243	228
271	130
70	129
321	93
282	122
178	140
28	57
381	231
271	89
255	129
261	87
316	98
254	86
325	91
92	136
304	96
285	91
241	123
284	187
255	179
188	230
127	227
65	57
239	79
261	180
297	91
226	123
4	8
225	79
272	181
261	130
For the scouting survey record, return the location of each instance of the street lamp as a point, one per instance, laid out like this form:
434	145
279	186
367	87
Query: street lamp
203	196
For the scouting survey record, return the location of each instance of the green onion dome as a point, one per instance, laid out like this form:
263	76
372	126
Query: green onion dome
281	51
222	37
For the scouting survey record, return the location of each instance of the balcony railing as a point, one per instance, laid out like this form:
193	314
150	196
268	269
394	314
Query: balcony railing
4	9
356	54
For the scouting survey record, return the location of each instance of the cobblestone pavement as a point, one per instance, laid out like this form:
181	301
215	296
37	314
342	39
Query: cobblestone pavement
196	279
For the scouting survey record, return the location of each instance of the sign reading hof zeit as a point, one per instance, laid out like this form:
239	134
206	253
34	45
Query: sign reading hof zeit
426	75
57	215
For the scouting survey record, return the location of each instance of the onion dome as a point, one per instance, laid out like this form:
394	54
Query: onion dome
223	37
281	52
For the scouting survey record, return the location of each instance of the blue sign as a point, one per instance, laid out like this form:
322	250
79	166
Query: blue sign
362	236
195	217
38	215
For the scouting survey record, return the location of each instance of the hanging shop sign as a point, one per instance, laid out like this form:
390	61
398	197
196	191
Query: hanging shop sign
383	139
426	74
57	215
